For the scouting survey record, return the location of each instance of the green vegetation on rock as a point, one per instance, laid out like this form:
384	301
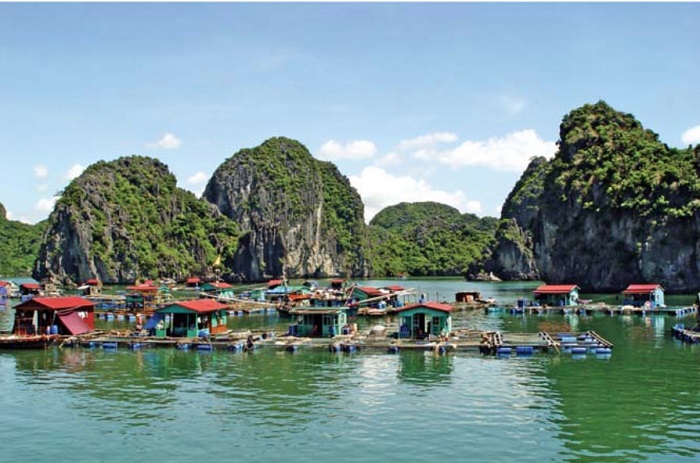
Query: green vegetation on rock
19	245
427	239
127	219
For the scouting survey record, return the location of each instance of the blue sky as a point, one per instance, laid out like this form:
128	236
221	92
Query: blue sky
412	101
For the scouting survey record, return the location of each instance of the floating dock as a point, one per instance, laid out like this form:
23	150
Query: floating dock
487	343
680	332
593	309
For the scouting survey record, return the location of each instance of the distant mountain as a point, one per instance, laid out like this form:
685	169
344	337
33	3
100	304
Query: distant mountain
299	217
428	239
127	219
614	206
19	245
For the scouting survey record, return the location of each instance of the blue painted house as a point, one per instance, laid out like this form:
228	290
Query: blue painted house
649	295
557	295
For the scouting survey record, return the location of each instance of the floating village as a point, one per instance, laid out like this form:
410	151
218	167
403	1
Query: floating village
319	317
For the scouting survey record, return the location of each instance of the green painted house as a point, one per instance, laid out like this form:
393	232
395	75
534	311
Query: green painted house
319	321
191	319
418	321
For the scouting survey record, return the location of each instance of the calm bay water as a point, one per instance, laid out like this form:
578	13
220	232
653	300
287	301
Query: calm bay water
641	404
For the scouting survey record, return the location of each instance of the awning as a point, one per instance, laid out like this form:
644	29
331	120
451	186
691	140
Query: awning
73	323
153	321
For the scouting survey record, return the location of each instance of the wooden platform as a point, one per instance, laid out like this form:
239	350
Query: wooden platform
591	309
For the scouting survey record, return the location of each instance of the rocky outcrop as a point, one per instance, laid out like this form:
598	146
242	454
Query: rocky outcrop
299	217
127	219
614	206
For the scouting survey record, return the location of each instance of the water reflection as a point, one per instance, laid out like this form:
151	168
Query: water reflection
424	368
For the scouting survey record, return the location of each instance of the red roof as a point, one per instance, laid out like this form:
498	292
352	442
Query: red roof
427	305
193	281
201	305
92	282
642	289
30	286
273	283
394	288
220	285
555	289
56	303
142	288
3	283
368	290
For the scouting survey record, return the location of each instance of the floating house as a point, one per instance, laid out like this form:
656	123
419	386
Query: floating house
557	295
362	293
216	286
319	321
419	321
30	289
191	319
142	298
192	283
69	315
638	295
468	297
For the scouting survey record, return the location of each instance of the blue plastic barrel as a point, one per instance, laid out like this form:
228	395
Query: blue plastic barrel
393	349
135	346
579	350
524	350
207	347
109	345
504	351
183	346
603	350
54	329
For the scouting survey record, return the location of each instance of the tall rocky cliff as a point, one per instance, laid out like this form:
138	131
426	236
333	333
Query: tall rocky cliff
299	217
614	206
127	219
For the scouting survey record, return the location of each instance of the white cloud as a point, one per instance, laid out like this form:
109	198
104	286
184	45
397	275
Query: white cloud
427	141
42	187
380	189
198	178
691	136
45	204
354	150
74	171
19	218
512	104
168	142
41	171
389	159
510	153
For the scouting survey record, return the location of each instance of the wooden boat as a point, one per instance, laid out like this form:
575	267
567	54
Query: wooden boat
26	342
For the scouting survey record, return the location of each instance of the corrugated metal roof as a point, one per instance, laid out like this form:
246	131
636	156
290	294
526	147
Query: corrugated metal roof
555	289
642	288
198	305
56	303
428	305
394	288
368	290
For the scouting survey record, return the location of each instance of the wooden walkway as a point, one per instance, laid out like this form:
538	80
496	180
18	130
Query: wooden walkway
485	342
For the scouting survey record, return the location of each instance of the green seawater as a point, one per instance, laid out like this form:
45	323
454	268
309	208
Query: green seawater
639	404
